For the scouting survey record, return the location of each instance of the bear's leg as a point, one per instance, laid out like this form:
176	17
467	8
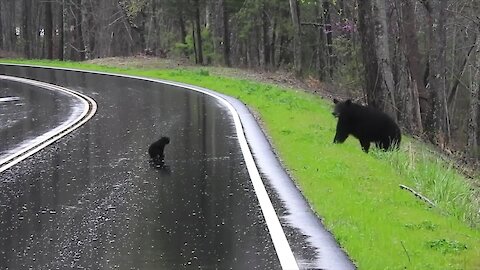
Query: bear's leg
365	145
340	138
341	133
384	144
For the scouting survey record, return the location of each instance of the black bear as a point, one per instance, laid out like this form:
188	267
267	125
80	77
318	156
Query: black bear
367	124
156	151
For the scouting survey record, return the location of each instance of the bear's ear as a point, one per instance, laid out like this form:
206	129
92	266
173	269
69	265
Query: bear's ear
335	101
348	102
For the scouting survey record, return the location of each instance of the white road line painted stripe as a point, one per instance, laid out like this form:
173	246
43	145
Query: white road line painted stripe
89	109
279	239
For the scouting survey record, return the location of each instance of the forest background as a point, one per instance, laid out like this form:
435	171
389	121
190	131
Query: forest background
417	60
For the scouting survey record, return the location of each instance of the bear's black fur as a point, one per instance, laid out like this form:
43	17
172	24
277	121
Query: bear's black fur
367	124
156	151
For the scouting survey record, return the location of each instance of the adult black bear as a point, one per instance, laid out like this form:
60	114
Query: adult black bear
367	124
156	151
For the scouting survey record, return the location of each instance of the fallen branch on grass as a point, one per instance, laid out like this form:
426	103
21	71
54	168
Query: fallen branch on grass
418	195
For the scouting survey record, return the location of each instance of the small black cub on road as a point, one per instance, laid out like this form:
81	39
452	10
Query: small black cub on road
156	151
367	124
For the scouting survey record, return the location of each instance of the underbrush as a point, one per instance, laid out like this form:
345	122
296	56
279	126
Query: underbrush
357	195
441	183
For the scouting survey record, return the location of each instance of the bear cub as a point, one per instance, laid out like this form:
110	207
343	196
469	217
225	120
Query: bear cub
367	124
156	151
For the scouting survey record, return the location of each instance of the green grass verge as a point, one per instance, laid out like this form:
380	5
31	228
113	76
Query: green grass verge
357	194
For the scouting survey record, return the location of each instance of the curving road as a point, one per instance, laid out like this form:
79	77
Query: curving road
22	122
92	201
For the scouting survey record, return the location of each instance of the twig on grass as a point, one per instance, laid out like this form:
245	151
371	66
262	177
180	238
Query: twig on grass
418	195
406	252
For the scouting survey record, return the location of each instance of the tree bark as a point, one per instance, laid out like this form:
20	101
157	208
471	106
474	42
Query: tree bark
327	22
383	55
49	29
1	28
472	130
320	55
438	72
266	38
183	28
92	29
226	36
61	32
453	92
198	33
26	27
7	21
273	42
376	59
409	30
79	43
297	45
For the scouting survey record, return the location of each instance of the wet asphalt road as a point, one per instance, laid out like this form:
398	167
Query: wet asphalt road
27	112
92	201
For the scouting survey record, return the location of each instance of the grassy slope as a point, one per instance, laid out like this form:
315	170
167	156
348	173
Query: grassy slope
357	194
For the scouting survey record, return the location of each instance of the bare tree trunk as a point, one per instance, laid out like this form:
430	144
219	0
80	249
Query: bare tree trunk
1	28
194	39
198	33
7	17
61	31
26	27
378	73
438	73
92	29
297	43
266	39
79	43
320	55
409	30
226	36
183	29
327	22
472	144
49	29
210	14
273	42
453	92
13	38
383	55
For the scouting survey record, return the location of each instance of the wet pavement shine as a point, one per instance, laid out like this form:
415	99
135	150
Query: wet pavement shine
27	112
92	200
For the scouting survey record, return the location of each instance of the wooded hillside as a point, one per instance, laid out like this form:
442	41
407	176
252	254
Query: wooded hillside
417	60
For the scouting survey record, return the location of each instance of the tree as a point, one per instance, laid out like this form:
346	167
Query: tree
376	58
198	32
61	31
473	121
136	17
419	102
437	79
226	33
49	29
327	25
79	48
26	29
297	43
